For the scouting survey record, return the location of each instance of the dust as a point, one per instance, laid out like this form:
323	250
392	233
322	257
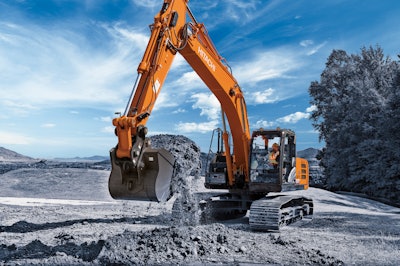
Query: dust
187	167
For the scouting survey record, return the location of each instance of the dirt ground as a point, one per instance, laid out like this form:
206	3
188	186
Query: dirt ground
345	230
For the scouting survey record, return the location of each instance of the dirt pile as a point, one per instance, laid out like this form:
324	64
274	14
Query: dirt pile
213	243
187	245
36	250
187	168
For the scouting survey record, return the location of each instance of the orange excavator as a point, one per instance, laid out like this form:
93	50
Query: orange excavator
140	172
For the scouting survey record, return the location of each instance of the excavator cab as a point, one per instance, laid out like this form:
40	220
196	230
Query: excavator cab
275	171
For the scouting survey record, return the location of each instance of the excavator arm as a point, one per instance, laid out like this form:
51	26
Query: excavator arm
142	173
152	71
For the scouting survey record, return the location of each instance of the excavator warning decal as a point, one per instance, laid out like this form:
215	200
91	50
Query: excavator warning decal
206	58
156	86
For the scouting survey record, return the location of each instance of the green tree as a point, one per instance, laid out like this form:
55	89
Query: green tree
356	104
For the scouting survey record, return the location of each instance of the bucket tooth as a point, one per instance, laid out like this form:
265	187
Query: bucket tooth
149	181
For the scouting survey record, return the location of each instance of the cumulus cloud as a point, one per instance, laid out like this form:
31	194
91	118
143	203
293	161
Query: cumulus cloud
264	124
312	108
208	104
189	80
297	116
261	97
165	99
192	127
293	118
210	107
176	90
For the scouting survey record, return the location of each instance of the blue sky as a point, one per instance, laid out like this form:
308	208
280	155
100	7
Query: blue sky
67	66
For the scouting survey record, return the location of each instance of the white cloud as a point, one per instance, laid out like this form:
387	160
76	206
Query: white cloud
264	124
18	108
189	80
9	138
266	65
196	127
178	62
306	43
297	116
240	11
261	97
293	118
48	125
73	112
312	108
210	107
179	110
312	131
57	71
208	104
165	100
176	89
315	49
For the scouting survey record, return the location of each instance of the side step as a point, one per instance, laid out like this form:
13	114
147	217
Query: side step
272	212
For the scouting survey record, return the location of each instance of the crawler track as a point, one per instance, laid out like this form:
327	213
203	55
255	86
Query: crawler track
270	213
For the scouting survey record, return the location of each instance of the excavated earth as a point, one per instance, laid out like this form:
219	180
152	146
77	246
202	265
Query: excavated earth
64	216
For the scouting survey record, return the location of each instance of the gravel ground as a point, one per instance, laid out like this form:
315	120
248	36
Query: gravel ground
86	227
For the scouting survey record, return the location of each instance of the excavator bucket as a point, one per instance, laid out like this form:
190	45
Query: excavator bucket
150	181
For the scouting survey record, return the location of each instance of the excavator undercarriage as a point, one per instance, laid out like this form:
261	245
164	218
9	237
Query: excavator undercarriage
268	213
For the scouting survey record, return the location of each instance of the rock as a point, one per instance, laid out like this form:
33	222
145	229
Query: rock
222	249
195	238
221	239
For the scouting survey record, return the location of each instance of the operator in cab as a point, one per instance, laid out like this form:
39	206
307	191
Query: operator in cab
273	156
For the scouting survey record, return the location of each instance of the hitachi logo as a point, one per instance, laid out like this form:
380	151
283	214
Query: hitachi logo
206	59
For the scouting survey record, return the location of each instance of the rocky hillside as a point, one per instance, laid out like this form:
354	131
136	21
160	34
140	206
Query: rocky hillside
9	155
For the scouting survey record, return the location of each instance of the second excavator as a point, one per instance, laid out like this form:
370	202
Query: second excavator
247	171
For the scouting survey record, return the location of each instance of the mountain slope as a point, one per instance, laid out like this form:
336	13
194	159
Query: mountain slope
9	155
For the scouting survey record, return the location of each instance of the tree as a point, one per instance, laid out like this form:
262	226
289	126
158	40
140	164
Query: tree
355	100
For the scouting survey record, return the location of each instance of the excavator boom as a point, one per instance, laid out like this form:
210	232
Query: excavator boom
140	172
